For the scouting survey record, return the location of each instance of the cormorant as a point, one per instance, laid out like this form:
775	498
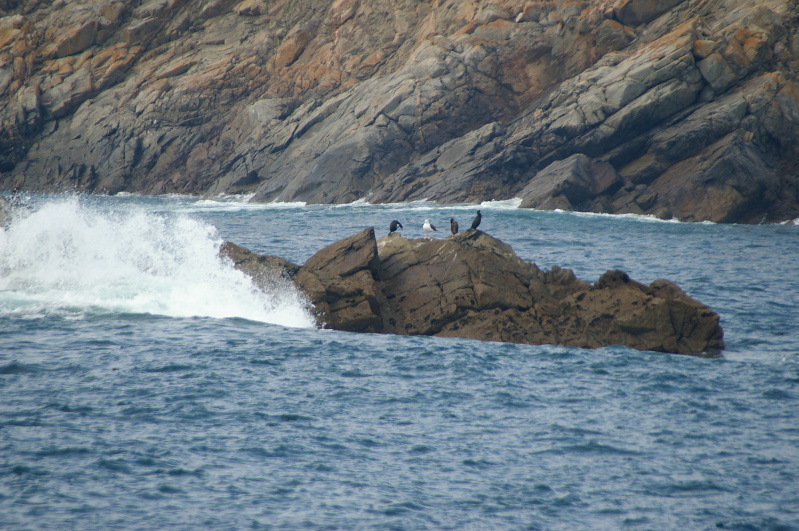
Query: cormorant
476	222
453	225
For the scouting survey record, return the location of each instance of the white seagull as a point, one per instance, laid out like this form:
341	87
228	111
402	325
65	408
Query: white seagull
428	228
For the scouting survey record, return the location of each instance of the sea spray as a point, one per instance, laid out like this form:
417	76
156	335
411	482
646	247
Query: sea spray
66	257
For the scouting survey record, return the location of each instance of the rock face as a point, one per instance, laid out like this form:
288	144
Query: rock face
474	286
673	108
5	211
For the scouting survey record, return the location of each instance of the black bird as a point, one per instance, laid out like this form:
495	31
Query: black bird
453	225
476	222
394	225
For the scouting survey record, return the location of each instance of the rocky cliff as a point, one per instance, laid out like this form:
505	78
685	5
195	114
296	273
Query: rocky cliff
474	286
676	108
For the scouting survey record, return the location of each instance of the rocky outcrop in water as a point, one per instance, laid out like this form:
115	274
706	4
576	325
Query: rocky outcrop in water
675	108
472	285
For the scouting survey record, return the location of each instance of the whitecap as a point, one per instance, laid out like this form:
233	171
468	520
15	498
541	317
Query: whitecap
512	203
67	258
645	218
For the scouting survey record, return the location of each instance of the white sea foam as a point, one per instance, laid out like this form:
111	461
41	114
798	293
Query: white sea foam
237	204
513	203
646	218
362	202
67	258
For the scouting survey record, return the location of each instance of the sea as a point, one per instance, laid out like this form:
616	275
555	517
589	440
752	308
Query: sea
147	384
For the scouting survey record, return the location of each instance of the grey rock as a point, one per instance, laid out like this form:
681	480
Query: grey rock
636	12
725	182
5	211
717	72
571	182
612	36
333	102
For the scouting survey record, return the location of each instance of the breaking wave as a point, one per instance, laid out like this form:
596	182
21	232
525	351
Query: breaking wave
63	257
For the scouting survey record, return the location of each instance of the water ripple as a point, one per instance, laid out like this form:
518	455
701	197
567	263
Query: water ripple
124	420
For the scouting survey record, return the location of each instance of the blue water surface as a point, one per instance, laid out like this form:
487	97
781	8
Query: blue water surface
129	401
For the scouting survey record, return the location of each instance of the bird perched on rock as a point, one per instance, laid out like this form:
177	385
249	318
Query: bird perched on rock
453	226
477	219
428	228
394	226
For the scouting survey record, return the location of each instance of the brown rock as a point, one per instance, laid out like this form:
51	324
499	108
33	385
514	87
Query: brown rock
533	12
74	39
65	96
341	282
490	14
428	284
263	268
473	286
11	28
214	8
250	8
658	317
139	30
293	46
703	48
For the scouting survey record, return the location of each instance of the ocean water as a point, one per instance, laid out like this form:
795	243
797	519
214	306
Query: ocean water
145	384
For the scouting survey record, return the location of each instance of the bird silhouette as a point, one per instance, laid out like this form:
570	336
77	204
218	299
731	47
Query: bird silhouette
477	219
394	226
453	226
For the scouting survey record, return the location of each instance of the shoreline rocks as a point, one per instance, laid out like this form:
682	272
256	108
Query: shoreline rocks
674	108
474	286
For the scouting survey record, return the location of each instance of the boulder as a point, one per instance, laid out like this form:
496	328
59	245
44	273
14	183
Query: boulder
472	285
430	284
341	283
268	272
214	8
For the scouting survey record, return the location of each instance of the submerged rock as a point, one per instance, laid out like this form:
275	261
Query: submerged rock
472	285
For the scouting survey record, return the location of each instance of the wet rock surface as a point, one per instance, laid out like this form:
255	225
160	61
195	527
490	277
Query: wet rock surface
663	107
472	285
